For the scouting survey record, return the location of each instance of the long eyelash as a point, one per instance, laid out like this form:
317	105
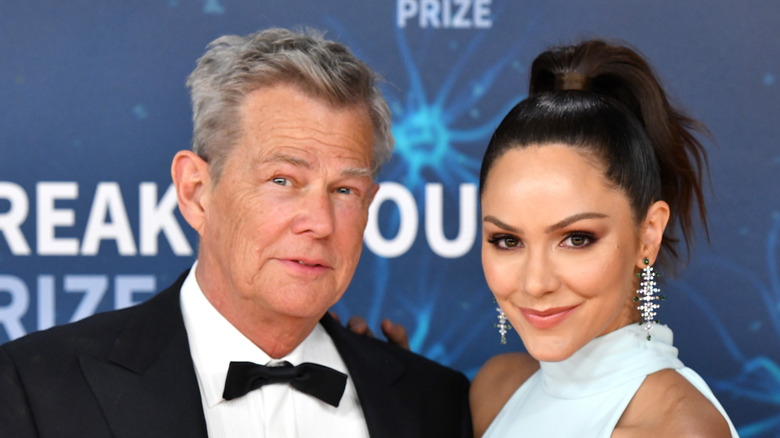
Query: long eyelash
495	238
587	235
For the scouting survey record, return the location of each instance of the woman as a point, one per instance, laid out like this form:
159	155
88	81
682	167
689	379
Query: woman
582	188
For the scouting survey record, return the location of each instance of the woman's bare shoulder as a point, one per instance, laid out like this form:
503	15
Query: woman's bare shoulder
667	404
495	383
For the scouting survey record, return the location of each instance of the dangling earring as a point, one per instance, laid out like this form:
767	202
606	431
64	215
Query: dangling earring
647	295
503	324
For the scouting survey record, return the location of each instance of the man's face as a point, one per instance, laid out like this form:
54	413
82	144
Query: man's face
283	227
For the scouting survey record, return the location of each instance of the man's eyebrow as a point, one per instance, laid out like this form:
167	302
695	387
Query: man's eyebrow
359	172
290	159
496	221
574	218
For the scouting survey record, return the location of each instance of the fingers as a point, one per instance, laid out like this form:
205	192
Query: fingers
395	333
359	325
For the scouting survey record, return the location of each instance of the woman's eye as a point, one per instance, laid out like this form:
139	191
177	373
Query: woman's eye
579	240
504	242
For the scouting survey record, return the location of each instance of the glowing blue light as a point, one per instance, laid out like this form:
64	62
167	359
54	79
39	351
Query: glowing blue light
213	7
759	377
140	112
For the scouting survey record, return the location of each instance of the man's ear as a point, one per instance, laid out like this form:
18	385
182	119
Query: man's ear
190	174
652	232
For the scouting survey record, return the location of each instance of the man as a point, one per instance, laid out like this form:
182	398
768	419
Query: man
289	134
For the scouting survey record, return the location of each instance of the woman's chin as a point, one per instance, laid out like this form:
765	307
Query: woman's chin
548	348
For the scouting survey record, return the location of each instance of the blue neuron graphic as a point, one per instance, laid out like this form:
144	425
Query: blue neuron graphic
440	137
758	380
429	128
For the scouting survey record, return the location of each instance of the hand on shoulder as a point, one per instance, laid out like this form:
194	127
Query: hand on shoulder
495	383
395	333
668	405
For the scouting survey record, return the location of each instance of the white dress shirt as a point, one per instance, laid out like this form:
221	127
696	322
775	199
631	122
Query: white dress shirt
272	411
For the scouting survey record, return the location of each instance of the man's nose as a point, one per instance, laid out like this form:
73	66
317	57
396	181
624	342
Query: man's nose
316	214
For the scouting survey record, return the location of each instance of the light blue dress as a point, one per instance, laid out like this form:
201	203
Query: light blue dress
585	395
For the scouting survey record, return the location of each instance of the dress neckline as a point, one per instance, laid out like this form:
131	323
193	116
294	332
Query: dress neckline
610	361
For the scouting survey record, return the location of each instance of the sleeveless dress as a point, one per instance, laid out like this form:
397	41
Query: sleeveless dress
585	395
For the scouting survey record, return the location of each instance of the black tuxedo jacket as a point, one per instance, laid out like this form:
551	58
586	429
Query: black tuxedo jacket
129	373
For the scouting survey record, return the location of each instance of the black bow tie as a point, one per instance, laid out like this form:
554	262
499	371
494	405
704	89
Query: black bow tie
316	380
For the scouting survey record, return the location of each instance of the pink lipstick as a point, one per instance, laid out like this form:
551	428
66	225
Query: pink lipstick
549	318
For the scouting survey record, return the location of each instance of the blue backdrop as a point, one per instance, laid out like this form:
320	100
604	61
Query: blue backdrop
93	107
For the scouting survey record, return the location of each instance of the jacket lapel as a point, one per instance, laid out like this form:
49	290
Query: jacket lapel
389	411
147	386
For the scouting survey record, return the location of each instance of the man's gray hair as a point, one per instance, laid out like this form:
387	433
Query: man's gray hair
234	66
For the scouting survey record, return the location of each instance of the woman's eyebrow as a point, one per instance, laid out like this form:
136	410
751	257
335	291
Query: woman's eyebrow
574	218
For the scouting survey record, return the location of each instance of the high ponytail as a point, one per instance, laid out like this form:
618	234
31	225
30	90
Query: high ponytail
607	99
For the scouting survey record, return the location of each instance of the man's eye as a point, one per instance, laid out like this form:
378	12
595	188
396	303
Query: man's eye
280	181
344	190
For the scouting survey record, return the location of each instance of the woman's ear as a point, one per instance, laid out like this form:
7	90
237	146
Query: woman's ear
652	232
190	174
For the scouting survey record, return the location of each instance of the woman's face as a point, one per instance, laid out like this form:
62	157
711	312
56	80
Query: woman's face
560	248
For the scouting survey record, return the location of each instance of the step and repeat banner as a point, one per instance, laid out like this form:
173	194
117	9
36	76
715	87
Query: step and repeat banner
93	107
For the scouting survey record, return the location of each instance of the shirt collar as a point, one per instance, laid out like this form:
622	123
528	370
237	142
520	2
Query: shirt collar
215	342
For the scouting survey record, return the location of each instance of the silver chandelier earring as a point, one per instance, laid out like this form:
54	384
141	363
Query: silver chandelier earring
648	295
503	324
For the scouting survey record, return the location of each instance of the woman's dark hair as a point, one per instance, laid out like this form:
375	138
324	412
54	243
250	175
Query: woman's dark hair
605	99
